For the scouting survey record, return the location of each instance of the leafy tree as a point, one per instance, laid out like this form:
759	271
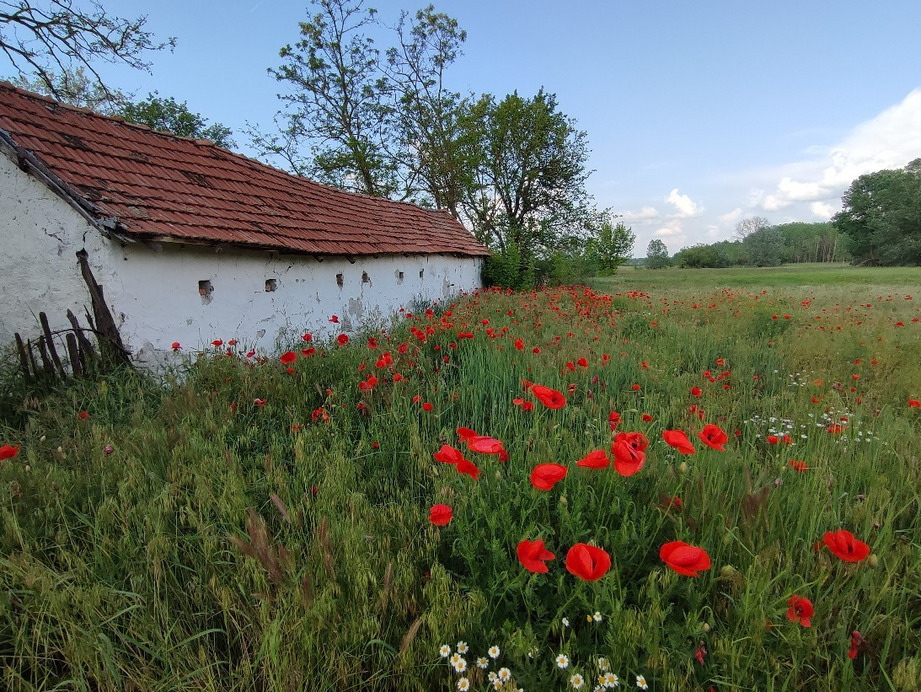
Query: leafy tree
430	154
337	103
812	242
657	256
882	216
51	39
701	256
611	244
529	183
764	247
168	115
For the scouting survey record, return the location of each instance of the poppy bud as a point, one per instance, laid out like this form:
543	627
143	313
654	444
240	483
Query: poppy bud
873	561
706	627
683	467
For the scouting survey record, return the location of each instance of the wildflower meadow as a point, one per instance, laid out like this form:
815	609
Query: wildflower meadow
666	481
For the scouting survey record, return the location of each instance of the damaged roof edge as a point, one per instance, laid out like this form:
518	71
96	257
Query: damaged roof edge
29	163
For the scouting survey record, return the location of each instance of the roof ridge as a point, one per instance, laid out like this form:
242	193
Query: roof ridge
114	118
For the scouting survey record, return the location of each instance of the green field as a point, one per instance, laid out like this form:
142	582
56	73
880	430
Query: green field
264	524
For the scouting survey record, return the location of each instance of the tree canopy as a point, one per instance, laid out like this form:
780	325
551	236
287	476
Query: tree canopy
657	256
882	216
385	123
168	115
52	39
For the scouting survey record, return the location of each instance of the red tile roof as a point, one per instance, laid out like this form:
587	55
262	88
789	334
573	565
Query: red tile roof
158	186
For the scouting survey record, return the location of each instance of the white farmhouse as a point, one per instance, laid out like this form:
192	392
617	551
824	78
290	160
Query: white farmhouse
192	243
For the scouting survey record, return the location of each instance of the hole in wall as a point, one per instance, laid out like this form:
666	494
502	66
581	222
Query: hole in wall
339	280
399	277
421	272
271	285
205	289
365	279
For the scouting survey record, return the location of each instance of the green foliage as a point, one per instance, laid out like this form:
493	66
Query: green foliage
384	123
882	217
248	527
611	245
812	242
700	255
336	103
657	256
529	186
764	247
168	115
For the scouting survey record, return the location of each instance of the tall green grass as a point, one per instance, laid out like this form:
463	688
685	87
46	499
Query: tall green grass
187	536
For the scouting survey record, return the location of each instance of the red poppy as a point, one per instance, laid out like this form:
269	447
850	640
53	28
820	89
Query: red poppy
545	476
678	440
629	452
259	402
533	556
468	468
334	319
288	357
8	452
551	398
217	343
856	642
519	344
614	420
587	562
914	403
714	437
484	444
448	455
773	439
427	406
343	339
685	559
843	544
798	465
582	363
307	336
635	388
800	610
176	346
695	391
83	415
440	515
646	418
597	459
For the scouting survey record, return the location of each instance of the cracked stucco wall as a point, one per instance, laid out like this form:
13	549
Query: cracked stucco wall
156	296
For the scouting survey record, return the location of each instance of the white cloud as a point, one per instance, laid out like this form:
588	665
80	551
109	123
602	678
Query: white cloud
822	210
644	214
685	205
890	140
731	218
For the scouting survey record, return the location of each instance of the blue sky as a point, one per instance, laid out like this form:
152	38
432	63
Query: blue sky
698	114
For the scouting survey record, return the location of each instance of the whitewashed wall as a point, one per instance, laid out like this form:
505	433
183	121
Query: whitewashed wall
155	295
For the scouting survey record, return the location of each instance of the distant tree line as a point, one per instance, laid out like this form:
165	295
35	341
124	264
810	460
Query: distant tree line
879	224
757	243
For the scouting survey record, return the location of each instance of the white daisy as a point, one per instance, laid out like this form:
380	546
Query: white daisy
577	681
493	651
562	661
463	684
641	682
482	662
462	647
445	650
505	674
